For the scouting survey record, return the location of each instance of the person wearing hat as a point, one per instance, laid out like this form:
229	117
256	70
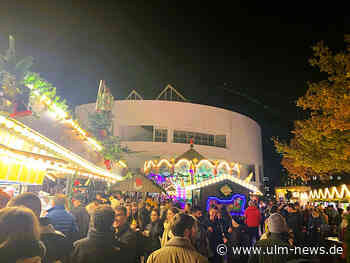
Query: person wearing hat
238	237
278	237
81	216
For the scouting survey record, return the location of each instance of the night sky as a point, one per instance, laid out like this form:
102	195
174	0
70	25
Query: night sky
250	58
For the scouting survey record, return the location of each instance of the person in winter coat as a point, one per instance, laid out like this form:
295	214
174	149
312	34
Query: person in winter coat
215	235
51	238
277	237
252	219
179	249
153	232
58	246
167	234
294	222
19	236
314	227
238	237
62	220
143	216
124	233
81	216
100	244
201	243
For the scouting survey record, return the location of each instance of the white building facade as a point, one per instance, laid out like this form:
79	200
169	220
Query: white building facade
156	129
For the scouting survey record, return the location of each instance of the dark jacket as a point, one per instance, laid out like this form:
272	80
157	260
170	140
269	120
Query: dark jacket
53	240
294	222
82	219
11	252
99	247
127	236
267	245
202	241
143	218
215	237
62	220
238	238
156	231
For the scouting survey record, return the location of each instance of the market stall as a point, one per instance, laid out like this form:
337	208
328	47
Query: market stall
192	178
39	138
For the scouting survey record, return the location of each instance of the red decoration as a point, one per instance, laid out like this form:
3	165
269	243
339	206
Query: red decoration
108	164
191	141
76	183
21	114
138	182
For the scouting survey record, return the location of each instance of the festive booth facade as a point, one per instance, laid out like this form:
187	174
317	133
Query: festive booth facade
193	178
39	138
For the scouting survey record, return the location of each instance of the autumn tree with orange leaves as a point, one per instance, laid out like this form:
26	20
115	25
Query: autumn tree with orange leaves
321	143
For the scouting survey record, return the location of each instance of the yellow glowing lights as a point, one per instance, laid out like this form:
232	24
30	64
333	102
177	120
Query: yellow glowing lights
60	114
61	151
215	164
222	178
330	193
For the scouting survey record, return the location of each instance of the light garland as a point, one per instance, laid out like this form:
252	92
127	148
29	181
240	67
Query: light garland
38	138
330	193
221	178
40	164
228	202
59	114
217	164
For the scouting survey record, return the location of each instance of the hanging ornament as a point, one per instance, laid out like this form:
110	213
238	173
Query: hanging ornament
108	164
76	183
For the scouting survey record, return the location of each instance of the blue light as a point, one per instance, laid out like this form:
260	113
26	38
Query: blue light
228	201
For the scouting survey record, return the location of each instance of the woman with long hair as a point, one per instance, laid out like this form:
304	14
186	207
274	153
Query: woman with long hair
20	236
167	234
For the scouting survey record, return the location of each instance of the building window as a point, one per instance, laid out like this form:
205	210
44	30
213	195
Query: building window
160	135
199	138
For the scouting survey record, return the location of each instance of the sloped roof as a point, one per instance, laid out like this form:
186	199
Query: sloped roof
171	94
134	95
190	155
138	183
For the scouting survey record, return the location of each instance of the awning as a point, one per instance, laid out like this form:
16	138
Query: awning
138	183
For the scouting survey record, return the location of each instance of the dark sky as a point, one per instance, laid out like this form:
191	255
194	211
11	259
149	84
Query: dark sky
211	54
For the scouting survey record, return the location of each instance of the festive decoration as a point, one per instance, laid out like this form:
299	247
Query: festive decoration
221	178
331	193
184	175
236	203
91	170
101	126
43	95
105	100
12	73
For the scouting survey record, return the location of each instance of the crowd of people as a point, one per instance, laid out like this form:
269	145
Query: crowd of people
117	229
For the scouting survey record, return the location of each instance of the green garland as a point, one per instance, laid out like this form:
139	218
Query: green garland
44	88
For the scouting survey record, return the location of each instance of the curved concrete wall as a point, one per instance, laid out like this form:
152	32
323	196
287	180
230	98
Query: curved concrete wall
243	135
